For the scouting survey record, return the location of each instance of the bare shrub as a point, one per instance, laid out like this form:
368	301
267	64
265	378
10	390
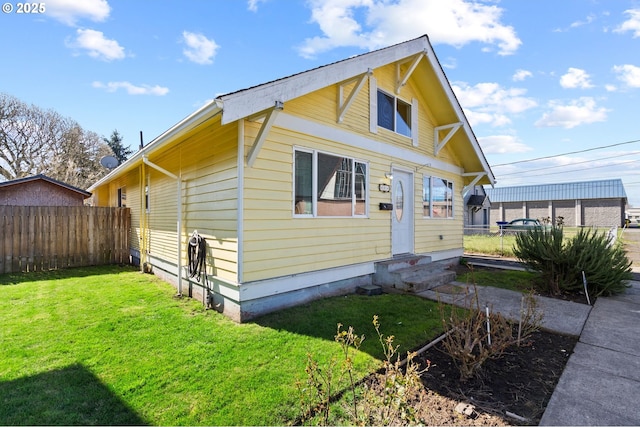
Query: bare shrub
475	335
384	399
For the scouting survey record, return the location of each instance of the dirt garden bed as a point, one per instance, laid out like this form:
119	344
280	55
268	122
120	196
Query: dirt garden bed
513	389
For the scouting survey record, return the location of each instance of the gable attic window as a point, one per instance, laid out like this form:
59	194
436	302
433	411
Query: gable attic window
327	185
394	114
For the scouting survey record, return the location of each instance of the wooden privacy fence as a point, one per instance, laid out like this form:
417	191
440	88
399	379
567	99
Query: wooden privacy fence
34	238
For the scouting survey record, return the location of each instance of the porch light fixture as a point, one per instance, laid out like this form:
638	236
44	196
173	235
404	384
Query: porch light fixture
388	175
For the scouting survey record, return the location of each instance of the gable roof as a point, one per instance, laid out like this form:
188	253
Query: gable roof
257	99
585	190
47	179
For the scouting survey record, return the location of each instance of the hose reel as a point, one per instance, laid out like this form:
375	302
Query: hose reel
197	257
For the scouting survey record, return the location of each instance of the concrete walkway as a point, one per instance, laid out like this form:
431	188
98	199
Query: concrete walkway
562	317
600	384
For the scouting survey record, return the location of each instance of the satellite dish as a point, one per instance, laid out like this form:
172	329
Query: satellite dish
109	162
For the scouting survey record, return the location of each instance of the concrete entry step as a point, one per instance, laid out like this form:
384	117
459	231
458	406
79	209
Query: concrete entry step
413	273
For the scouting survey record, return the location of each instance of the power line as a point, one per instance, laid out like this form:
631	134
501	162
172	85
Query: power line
566	154
572	164
579	170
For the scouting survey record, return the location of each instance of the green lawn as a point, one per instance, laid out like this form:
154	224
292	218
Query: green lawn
515	280
495	244
109	345
490	244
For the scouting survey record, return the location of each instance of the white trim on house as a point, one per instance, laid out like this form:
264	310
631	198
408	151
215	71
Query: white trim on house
168	272
373	105
439	256
314	184
439	144
192	121
250	101
281	285
344	104
247	102
257	99
402	80
298	124
240	202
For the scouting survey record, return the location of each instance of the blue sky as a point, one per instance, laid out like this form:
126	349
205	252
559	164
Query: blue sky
536	79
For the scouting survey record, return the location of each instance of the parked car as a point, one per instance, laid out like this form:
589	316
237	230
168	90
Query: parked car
520	224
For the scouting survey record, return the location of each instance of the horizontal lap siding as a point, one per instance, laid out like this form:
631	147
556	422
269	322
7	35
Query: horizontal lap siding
428	230
163	212
211	196
207	163
133	196
132	184
277	244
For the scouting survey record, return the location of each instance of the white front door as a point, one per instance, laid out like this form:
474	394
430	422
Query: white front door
402	214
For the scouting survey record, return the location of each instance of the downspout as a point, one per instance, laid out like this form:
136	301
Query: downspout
143	218
240	203
179	220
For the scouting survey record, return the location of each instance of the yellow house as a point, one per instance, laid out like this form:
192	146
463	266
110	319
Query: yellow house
302	185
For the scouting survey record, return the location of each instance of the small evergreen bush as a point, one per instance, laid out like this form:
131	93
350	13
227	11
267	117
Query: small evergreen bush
562	261
605	264
543	250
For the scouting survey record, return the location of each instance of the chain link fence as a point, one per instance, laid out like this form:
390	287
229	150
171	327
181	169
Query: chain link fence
497	241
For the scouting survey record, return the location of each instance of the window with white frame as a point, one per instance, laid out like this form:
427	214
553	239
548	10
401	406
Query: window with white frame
329	185
146	198
394	114
122	197
437	200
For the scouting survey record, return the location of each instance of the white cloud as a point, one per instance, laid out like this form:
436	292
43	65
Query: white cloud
131	88
252	5
490	103
632	24
97	45
454	22
628	74
70	11
575	78
520	75
588	20
449	62
200	49
577	112
502	144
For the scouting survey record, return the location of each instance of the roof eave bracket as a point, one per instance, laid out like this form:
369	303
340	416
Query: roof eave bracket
438	145
478	176
268	122
403	78
344	104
